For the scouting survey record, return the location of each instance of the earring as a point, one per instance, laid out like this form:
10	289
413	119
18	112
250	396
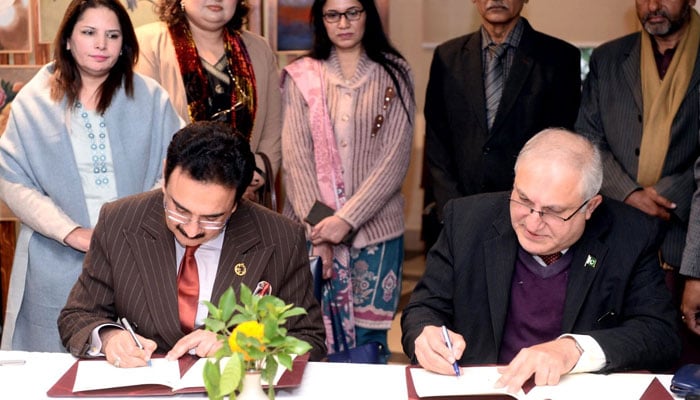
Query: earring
182	5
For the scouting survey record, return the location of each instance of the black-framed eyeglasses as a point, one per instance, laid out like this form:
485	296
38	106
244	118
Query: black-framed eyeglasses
352	14
549	217
184	219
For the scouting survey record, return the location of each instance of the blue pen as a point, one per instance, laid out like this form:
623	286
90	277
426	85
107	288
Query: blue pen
448	342
127	326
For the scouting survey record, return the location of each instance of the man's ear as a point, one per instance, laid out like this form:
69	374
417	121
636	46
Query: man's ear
593	203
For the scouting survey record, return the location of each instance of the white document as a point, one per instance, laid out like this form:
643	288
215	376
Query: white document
481	380
94	375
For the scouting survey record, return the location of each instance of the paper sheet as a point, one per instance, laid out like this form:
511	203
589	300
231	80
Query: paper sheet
473	380
98	374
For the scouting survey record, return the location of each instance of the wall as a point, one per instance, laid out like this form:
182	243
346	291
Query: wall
416	26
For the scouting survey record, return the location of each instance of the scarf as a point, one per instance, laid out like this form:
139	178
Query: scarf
308	75
196	84
662	98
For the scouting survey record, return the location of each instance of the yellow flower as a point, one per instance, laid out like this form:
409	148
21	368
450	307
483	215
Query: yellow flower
251	329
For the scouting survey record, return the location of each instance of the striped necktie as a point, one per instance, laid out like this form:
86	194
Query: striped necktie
188	289
493	81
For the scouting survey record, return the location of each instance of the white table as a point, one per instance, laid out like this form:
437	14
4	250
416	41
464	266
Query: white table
321	380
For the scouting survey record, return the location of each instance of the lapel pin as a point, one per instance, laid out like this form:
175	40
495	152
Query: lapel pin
590	261
240	269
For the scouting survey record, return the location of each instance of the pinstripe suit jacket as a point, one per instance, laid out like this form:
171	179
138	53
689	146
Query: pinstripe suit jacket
611	114
131	271
622	302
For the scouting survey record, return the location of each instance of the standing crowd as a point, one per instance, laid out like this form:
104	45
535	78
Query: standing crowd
138	160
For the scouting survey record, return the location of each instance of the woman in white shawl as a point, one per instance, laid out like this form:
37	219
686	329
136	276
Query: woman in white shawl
85	130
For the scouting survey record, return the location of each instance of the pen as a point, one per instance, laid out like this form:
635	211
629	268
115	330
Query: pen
12	362
127	326
448	342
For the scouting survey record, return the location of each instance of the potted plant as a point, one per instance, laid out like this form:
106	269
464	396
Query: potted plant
255	343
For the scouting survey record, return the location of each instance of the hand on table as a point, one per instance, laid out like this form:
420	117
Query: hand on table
547	361
432	352
121	350
200	342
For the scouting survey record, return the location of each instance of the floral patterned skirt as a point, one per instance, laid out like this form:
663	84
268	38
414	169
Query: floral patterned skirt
365	289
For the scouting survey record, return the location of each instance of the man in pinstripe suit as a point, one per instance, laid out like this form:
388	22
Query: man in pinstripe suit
640	101
131	267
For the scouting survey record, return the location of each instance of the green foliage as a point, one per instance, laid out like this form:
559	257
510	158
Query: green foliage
245	351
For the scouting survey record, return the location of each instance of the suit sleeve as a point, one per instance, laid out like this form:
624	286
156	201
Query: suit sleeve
617	183
643	335
431	302
91	301
690	265
298	290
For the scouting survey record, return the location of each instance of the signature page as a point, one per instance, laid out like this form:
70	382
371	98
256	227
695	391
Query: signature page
473	380
99	374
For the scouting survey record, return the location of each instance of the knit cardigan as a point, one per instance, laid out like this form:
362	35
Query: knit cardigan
375	167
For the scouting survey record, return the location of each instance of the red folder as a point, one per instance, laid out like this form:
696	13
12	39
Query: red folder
64	386
655	391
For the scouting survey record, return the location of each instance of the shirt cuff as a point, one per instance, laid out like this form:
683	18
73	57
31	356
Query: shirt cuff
95	343
592	358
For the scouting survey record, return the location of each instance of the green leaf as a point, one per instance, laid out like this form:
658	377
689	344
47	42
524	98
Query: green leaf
285	360
212	377
232	374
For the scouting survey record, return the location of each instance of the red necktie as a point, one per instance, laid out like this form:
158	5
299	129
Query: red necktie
550	258
188	289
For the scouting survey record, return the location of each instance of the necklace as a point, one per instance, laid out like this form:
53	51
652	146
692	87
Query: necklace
98	145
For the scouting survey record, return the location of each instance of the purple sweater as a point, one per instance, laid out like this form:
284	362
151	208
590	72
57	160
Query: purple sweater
536	306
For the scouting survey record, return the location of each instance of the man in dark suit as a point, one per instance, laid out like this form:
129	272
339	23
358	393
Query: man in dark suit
640	101
494	280
131	268
471	147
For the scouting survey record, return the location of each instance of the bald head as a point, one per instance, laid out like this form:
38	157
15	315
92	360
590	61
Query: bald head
557	149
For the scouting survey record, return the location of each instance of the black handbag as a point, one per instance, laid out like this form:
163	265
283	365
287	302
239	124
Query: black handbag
369	353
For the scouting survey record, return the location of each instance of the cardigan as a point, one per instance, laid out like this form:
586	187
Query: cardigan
377	165
40	183
157	59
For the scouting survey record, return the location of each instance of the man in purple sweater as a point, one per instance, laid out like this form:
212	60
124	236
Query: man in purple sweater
548	279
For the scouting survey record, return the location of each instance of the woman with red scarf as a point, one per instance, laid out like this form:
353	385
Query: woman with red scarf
215	70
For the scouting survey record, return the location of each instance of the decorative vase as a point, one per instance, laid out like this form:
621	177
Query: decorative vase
252	387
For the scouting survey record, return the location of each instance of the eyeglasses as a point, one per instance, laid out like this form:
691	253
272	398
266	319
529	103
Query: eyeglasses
183	219
549	217
352	14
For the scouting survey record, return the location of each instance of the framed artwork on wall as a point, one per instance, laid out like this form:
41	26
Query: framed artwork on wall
287	26
51	13
15	26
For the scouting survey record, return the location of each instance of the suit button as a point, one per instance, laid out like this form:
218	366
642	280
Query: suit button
487	150
639	117
636	152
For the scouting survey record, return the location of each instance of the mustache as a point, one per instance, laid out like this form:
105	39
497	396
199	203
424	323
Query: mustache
182	231
497	4
659	13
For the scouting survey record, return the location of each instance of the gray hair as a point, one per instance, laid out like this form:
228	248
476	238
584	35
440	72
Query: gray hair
567	148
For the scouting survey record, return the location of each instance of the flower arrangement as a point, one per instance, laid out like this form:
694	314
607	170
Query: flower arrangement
254	339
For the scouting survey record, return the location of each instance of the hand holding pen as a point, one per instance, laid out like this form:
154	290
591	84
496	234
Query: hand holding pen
124	349
448	343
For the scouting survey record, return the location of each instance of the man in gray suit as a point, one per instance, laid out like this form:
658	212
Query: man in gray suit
131	268
549	278
640	101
